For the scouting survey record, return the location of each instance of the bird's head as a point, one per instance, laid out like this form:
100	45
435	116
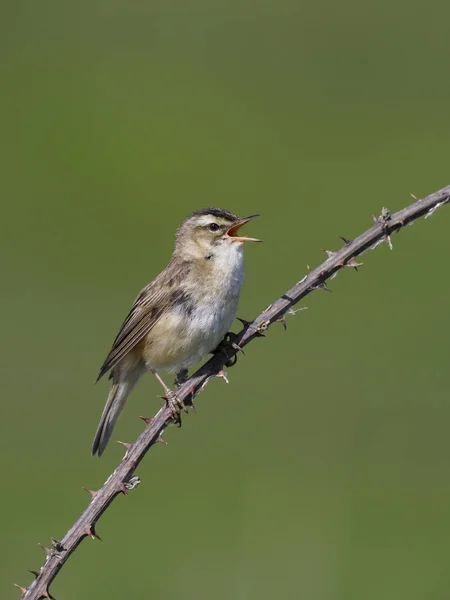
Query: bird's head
210	231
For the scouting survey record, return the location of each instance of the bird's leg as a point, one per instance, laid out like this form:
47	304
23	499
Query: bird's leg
180	378
171	398
226	345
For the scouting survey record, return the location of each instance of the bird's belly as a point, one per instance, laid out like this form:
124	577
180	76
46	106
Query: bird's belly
186	336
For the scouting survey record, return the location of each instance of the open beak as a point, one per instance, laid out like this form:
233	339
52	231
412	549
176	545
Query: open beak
232	233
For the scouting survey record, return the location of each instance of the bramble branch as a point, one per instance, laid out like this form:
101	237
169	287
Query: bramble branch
122	479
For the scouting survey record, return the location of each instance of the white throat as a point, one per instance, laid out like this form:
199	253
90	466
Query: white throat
228	267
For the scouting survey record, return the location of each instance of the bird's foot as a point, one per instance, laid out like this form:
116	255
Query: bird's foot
176	405
227	346
172	401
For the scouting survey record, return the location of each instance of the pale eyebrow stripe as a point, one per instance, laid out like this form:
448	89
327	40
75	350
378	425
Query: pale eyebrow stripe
205	220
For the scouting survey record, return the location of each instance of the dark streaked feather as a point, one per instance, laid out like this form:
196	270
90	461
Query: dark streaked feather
151	303
221	213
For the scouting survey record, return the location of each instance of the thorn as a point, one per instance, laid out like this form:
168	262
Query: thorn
192	405
161	440
282	320
414	197
204	384
322	286
385	216
376	244
126	444
35	573
123	489
268	308
244	322
132	483
56	545
434	209
388	241
294	311
237	347
329	253
353	264
308	268
91	492
46	594
147	420
90	531
24	590
222	374
45	549
345	240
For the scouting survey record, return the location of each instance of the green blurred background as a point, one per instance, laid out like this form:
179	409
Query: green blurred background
322	470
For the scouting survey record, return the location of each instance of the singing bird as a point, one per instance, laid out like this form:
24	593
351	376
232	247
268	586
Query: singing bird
182	315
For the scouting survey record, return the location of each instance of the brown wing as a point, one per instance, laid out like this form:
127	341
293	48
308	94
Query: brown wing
151	303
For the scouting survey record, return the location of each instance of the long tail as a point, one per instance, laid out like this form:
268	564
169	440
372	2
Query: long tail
123	383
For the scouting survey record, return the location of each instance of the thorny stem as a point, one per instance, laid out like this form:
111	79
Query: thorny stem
122	478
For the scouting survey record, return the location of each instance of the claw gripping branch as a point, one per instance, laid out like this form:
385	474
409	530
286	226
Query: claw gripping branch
122	479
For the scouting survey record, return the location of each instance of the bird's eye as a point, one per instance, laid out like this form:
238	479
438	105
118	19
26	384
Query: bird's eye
213	227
